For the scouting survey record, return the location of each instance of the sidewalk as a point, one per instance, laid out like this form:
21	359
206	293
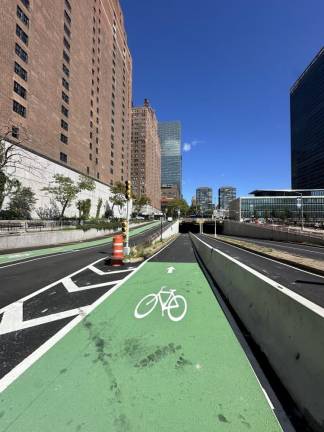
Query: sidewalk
16	256
116	372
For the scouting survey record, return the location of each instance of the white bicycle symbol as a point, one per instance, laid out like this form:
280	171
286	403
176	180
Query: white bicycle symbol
175	305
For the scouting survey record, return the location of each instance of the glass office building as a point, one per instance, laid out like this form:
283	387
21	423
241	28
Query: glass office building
204	199
280	205
307	127
171	161
226	194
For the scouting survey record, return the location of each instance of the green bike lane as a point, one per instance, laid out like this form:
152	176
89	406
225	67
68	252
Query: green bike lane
34	253
115	372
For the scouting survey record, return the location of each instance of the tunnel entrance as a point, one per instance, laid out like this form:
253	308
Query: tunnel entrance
194	227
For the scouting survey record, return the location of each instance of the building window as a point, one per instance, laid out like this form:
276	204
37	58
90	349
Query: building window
23	17
19	89
67	4
98	176
21	53
66	43
66	57
20	71
63	157
67	30
64	125
90	146
96	161
65	111
15	132
25	3
88	170
65	97
19	109
111	171
90	156
64	138
21	34
67	17
65	70
65	84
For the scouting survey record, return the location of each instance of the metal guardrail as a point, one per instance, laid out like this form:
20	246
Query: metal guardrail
14	226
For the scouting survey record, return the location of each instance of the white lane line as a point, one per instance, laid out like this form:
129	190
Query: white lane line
27	297
286	291
280	245
15	373
71	287
12	319
101	273
50	255
274	261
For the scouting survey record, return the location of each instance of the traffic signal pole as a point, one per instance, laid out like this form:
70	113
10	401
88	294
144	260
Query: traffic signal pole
128	196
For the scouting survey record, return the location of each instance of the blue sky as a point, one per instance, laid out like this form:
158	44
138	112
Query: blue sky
224	69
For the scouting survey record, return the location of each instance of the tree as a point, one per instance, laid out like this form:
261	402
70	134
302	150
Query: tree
84	207
14	156
118	196
99	205
64	190
139	202
22	202
171	208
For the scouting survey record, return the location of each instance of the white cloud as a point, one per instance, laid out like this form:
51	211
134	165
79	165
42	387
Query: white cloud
188	145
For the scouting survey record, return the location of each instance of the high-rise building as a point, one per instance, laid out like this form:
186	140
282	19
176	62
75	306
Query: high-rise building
226	194
307	126
171	162
66	82
204	199
146	154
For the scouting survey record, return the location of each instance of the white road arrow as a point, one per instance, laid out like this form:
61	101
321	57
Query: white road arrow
170	269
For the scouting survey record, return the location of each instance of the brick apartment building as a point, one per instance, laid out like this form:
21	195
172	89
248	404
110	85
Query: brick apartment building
66	85
146	154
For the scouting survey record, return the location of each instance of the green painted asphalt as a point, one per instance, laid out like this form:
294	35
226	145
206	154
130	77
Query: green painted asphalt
17	256
114	372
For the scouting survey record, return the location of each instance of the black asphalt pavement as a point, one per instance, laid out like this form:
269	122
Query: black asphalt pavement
306	284
22	278
303	250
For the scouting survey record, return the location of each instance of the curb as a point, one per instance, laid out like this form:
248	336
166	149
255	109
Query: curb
282	260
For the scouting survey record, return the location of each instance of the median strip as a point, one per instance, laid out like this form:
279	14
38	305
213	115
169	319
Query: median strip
303	263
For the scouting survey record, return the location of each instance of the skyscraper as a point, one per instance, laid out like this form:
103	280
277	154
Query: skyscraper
171	162
307	126
204	199
226	194
146	154
66	82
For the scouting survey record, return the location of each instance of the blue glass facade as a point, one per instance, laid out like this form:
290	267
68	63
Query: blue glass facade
307	127
171	161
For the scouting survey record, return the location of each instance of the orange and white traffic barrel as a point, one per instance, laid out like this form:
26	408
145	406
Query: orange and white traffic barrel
118	250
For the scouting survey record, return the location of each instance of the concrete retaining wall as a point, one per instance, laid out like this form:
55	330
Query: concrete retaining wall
288	328
259	232
51	238
169	232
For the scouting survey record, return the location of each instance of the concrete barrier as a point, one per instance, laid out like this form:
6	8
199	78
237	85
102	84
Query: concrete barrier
288	328
169	232
269	233
50	238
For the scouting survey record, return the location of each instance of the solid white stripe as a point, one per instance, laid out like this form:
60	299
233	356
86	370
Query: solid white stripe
300	299
37	354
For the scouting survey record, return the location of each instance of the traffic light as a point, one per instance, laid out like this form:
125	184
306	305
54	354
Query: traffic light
128	193
124	227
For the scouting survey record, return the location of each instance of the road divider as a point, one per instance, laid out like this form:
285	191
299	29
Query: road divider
287	327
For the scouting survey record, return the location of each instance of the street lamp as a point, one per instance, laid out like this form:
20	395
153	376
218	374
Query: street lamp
301	206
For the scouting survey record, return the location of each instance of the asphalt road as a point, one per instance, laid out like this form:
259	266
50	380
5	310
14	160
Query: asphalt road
303	250
22	278
306	284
